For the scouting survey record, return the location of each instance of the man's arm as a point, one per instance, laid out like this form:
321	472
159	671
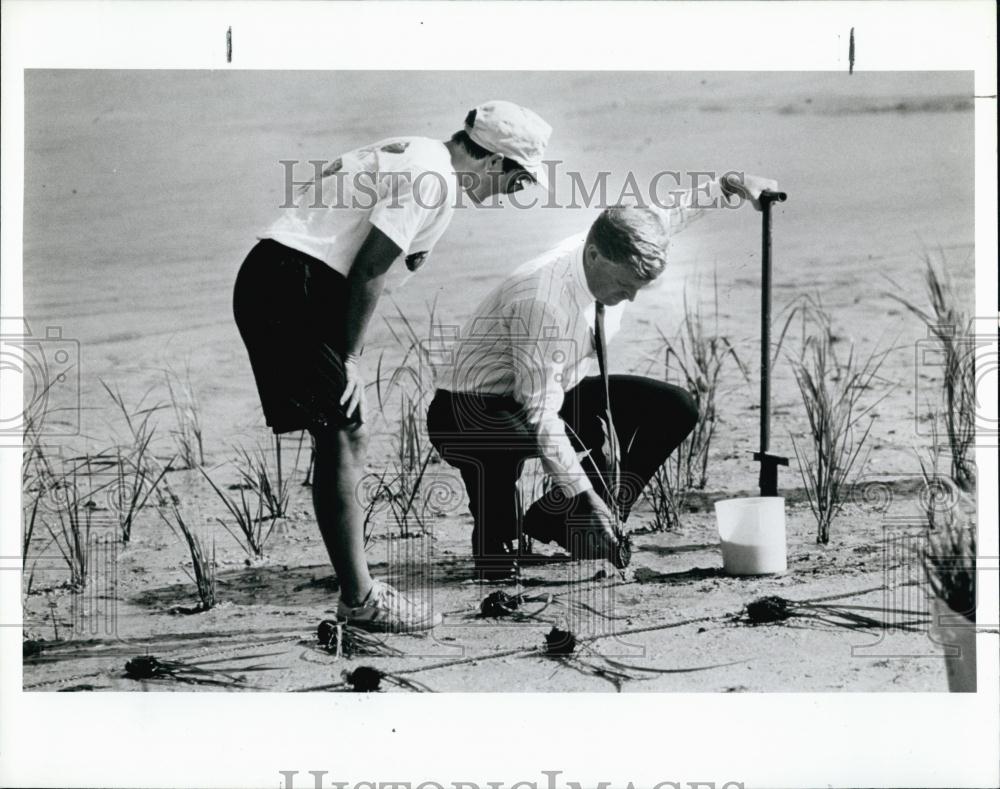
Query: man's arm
539	356
539	366
364	286
539	363
685	207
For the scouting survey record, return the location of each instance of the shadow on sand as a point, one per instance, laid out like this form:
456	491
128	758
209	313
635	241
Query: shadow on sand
296	587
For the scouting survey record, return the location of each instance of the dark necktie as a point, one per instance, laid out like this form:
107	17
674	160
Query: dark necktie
612	450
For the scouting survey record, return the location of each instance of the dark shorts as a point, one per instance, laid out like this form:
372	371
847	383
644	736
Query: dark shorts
289	308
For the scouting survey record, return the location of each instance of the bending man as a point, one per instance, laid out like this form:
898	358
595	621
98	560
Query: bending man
519	385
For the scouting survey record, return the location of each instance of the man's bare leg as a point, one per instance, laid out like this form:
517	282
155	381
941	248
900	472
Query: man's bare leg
339	460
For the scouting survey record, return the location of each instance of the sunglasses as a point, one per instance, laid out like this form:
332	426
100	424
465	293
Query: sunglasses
520	180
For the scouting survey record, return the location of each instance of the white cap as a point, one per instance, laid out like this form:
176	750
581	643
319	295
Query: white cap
513	131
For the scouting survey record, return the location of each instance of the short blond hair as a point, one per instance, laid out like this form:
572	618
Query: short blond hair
632	236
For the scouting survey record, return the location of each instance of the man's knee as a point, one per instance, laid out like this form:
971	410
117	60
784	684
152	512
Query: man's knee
675	406
687	410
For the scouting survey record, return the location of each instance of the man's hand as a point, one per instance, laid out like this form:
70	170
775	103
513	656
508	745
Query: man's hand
593	507
749	187
592	534
364	286
354	389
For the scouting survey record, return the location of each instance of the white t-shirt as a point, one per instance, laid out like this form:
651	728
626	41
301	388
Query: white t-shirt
404	186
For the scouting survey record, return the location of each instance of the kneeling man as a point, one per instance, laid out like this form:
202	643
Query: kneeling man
517	384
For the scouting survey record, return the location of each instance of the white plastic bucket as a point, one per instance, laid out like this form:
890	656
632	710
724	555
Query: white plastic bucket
752	532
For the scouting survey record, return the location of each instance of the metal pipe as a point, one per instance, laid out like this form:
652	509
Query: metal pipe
768	463
766	198
765	331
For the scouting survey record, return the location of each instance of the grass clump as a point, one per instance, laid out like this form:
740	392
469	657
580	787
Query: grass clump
413	455
952	329
203	565
69	514
187	413
667	494
35	476
252	529
263	493
400	490
265	479
137	472
700	354
71	532
832	391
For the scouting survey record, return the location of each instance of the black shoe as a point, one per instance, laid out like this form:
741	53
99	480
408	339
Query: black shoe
490	570
493	560
546	529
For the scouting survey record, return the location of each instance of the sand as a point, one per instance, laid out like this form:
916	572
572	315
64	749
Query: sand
144	190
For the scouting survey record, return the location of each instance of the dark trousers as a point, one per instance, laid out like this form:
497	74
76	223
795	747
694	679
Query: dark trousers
488	439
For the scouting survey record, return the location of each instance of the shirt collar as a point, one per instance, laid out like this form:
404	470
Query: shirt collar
579	275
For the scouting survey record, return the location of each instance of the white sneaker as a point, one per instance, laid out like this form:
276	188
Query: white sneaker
388	611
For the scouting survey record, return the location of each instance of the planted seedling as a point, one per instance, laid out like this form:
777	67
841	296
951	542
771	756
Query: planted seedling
151	668
559	642
365	679
344	640
500	605
772	609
